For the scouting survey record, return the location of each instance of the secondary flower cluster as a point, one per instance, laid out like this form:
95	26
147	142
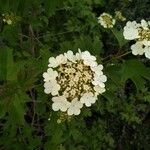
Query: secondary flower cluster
74	80
106	20
10	18
140	32
119	16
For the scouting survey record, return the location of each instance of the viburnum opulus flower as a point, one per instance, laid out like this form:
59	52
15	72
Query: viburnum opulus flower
119	16
10	18
140	32
106	20
74	80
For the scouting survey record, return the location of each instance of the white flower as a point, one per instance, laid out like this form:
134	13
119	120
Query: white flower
119	16
60	103
50	75
87	56
9	21
147	51
106	20
99	90
70	56
144	24
74	108
90	63
146	42
61	59
98	69
131	30
137	48
52	62
51	87
89	59
88	99
55	62
99	80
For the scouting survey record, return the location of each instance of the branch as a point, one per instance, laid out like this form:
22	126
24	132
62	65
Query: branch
115	56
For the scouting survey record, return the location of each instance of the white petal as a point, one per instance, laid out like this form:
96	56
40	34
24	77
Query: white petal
50	75
147	52
63	107
103	78
146	42
77	111
101	84
52	62
90	63
88	104
97	68
87	56
55	106
70	112
60	103
99	89
52	87
46	76
74	108
61	59
47	84
88	99
98	80
70	56
144	24
47	91
137	48
55	89
131	31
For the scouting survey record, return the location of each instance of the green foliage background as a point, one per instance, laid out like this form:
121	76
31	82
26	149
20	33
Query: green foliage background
120	119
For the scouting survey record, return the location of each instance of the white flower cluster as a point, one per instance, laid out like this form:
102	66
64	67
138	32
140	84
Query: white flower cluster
119	16
106	20
140	32
74	80
7	19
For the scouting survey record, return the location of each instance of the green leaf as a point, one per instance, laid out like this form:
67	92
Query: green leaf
2	109
119	36
34	143
45	54
136	71
129	114
16	109
87	43
10	34
50	6
100	2
11	68
55	140
3	63
8	68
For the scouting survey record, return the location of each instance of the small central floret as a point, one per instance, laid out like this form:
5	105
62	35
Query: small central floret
144	34
75	79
